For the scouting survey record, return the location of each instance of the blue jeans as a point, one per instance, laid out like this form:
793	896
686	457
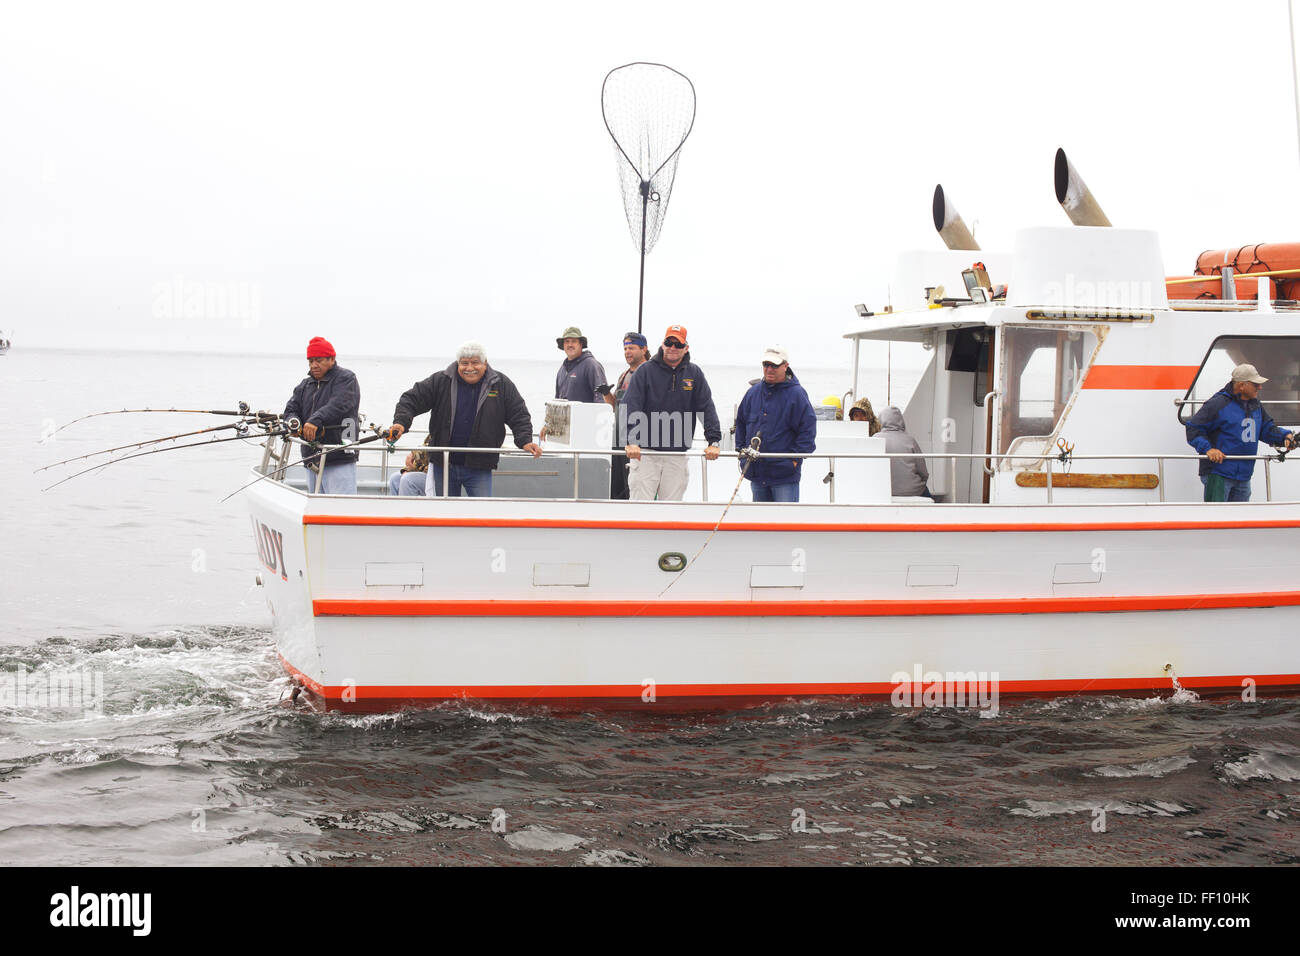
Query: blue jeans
336	479
786	492
476	482
406	483
1237	489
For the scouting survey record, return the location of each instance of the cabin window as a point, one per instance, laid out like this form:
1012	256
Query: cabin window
1042	369
1278	360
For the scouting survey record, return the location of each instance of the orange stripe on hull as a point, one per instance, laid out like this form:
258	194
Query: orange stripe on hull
378	521
1142	377
633	692
654	608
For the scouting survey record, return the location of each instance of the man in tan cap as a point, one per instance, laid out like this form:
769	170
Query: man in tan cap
1233	422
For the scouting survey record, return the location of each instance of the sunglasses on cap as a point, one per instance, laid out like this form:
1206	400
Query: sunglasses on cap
772	365
674	344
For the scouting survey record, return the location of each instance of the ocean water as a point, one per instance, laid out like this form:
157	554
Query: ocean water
138	578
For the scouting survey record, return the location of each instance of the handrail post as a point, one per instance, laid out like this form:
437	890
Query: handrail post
1268	480
988	438
575	476
832	481
1160	476
704	478
446	472
383	470
1049	479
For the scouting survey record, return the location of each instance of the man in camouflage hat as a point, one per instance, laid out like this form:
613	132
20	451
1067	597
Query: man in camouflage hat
580	378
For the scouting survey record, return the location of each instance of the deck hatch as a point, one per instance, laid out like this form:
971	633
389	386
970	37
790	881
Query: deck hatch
561	575
774	576
1076	574
932	575
380	574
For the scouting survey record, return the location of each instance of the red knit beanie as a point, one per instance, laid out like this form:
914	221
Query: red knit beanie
319	348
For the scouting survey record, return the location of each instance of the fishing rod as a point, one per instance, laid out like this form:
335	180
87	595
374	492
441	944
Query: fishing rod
270	430
750	455
242	426
378	434
244	411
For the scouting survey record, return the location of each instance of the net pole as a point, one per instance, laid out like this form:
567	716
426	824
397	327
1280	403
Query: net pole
640	297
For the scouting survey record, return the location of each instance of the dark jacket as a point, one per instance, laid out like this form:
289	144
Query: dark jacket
661	405
1235	427
907	476
334	404
577	379
499	405
783	418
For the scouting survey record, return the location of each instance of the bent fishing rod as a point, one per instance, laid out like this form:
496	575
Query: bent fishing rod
241	426
244	411
378	434
269	429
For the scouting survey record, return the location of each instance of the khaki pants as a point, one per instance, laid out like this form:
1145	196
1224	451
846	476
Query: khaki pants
655	476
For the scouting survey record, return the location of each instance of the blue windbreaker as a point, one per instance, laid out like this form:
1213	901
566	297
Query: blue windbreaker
1235	427
783	417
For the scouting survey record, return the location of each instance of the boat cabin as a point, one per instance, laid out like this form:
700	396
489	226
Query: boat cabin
1071	342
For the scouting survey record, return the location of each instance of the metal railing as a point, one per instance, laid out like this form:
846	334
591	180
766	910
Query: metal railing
1046	459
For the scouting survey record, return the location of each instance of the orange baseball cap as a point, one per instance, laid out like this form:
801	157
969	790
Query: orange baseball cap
676	332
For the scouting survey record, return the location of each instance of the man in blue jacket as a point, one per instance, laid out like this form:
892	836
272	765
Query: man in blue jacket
777	410
1233	422
666	395
327	403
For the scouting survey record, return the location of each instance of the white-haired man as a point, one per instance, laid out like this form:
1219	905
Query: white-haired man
469	405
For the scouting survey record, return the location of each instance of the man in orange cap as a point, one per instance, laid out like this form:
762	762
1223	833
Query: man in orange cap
327	403
666	396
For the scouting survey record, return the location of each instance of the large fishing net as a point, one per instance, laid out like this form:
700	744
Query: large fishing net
649	110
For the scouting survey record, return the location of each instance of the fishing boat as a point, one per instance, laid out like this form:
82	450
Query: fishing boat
1067	548
4	343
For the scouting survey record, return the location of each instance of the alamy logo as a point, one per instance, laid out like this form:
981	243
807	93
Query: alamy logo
72	689
655	429
102	909
974	689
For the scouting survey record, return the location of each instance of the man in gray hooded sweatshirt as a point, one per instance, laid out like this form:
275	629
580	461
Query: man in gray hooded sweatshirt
907	476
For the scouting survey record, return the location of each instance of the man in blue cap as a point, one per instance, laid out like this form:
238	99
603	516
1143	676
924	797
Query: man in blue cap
635	350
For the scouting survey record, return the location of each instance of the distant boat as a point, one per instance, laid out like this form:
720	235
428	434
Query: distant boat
4	345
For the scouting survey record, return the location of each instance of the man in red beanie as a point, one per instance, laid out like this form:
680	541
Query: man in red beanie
327	403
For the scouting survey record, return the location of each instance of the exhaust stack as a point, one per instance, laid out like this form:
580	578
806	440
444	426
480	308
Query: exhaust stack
1073	195
948	221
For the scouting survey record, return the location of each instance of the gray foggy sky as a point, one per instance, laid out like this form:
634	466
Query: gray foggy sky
400	177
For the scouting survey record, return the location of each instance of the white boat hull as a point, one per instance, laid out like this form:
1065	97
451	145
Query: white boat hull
380	601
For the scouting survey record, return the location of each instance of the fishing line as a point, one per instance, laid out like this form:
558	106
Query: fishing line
751	455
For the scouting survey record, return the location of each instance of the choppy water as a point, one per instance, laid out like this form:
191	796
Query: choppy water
139	577
196	760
